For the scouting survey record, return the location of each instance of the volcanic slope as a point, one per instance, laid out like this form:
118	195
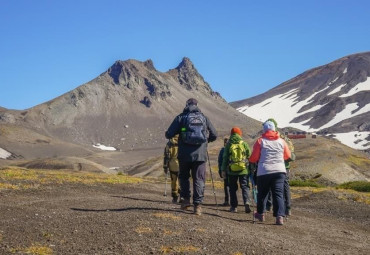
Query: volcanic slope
128	107
333	99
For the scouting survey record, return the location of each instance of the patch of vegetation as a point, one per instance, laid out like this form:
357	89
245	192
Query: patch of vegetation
19	178
178	249
361	186
170	232
141	230
359	161
305	183
35	249
167	216
218	184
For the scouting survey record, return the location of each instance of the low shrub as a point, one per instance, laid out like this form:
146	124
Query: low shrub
305	183
361	186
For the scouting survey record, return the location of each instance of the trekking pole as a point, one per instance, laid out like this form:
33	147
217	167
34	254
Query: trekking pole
165	187
213	185
254	195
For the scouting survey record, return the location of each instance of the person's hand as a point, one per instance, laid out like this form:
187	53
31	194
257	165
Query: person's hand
223	174
165	170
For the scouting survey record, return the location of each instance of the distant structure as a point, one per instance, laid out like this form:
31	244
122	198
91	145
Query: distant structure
299	135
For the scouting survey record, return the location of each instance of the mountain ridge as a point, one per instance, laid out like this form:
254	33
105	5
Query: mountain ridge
325	99
128	106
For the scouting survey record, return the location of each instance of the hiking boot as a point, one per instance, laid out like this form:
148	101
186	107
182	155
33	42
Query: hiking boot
174	200
185	204
233	209
279	220
259	217
288	212
226	203
247	208
197	210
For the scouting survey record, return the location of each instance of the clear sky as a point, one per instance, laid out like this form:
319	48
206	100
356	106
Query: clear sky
242	48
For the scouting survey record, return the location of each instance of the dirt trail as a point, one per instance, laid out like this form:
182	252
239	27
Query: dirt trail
138	219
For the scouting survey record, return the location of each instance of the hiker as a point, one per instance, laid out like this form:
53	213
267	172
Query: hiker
287	196
235	167
226	180
195	131
171	165
270	151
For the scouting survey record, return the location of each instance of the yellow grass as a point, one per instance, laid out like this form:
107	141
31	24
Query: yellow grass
142	230
218	184
170	232
200	230
178	249
19	178
167	216
359	161
342	194
35	249
39	250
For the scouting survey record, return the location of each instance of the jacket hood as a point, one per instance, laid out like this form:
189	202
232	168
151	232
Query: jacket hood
271	135
191	108
235	138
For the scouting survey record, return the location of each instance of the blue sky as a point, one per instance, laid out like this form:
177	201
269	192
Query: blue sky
242	48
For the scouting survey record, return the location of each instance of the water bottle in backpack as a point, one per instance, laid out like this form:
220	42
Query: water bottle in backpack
194	129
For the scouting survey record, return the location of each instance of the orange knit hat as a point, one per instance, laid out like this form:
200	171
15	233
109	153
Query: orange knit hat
236	130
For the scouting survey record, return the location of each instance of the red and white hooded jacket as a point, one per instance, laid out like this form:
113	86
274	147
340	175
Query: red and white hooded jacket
270	151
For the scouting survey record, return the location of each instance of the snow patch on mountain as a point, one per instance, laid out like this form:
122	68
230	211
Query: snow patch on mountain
347	112
103	147
283	107
356	140
333	80
362	86
337	89
4	154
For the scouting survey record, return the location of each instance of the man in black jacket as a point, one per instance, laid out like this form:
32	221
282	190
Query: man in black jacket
195	131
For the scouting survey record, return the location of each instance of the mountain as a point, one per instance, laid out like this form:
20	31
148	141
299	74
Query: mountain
331	99
128	107
117	121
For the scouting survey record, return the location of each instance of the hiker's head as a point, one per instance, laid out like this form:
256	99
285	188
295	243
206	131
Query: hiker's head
226	140
268	125
273	121
191	101
236	130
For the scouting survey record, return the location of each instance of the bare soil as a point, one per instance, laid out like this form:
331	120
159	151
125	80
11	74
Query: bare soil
138	219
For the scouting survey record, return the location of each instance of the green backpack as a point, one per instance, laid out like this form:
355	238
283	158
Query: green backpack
238	157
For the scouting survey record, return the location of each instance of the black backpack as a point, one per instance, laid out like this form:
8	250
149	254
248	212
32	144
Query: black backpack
193	130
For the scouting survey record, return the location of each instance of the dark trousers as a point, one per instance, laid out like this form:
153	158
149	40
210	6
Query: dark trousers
287	196
198	172
275	183
226	189
244	185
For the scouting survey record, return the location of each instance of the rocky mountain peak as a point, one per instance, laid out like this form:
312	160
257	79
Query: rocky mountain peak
149	64
188	76
186	64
